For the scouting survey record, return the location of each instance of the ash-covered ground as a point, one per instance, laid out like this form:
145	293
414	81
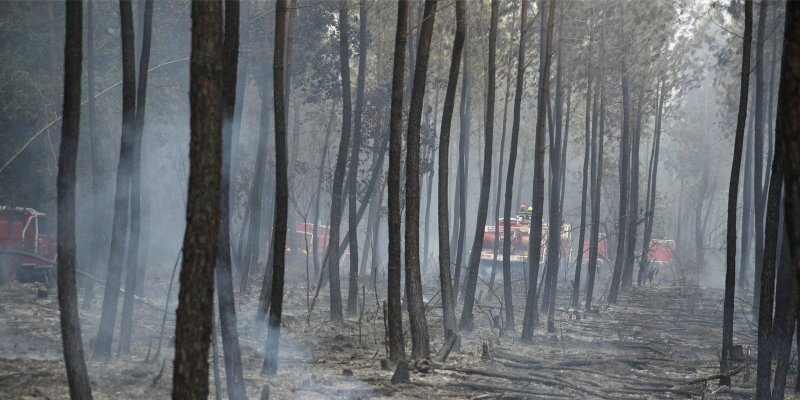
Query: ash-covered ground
661	341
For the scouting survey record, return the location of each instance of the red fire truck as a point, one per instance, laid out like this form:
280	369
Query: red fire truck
26	254
305	231
520	240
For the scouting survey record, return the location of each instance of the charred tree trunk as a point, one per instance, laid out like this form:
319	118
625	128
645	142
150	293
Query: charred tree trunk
133	260
624	180
445	280
758	162
224	274
420	343
633	205
486	177
255	204
463	172
531	318
352	289
554	214
788	133
747	211
500	161
733	192
394	332
77	377
119	229
786	300
587	155
321	179
270	366
196	297
512	161
341	166
597	179
650	207
94	142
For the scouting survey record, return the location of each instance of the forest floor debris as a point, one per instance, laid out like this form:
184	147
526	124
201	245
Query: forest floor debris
658	342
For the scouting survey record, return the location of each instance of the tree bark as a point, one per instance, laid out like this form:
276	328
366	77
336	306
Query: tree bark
224	274
597	172
420	342
196	296
747	211
733	192
352	289
531	317
133	261
463	171
512	161
500	162
633	196
788	132
576	282
644	262
396	343
321	178
786	294
341	165
624	180
119	229
486	177
270	366
77	377
554	214
94	141
758	161
445	281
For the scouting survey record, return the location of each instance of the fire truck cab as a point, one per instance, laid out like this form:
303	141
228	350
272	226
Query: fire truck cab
26	247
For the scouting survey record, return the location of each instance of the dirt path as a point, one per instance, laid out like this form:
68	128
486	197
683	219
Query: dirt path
660	342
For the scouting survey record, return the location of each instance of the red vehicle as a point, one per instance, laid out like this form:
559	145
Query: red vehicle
305	231
602	250
520	240
26	254
660	251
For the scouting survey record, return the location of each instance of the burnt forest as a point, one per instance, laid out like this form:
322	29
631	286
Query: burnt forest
399	199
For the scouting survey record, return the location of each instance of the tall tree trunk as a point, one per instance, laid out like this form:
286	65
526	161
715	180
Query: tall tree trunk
429	197
420	343
119	229
224	274
94	145
597	179
500	161
576	282
787	132
624	180
766	340
463	171
396	343
650	207
633	196
747	210
531	317
486	177
554	217
133	260
77	377
445	281
254	203
320	180
733	192
196	297
352	289
270	366
341	165
758	159
786	300
512	161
